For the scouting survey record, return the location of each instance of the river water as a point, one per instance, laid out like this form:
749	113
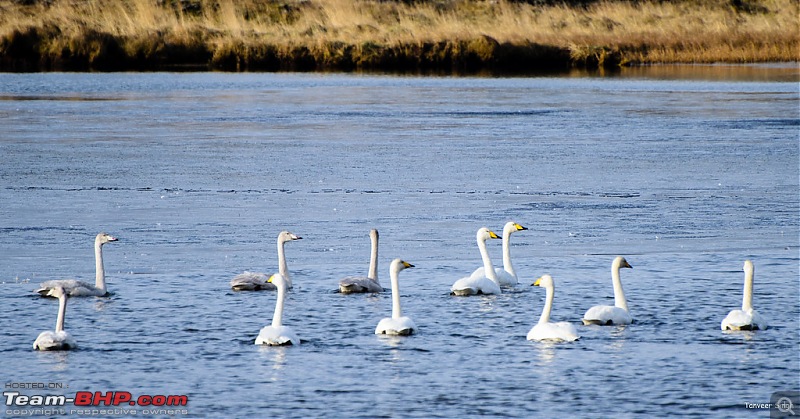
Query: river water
197	173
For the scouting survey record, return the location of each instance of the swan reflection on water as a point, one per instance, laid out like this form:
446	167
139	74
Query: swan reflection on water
394	342
58	361
547	351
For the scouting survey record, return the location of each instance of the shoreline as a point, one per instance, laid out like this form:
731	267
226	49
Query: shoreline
775	72
456	37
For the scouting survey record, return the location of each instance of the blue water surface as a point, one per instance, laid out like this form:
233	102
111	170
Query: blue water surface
196	173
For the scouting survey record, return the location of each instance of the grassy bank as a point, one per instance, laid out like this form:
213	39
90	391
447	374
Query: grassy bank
444	35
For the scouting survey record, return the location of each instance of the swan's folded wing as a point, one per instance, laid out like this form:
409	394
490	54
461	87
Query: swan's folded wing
277	336
743	320
478	273
251	281
400	326
471	285
759	320
356	284
561	331
503	277
72	287
49	341
567	331
606	316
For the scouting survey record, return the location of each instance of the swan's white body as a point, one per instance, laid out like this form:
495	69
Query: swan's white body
545	329
277	334
506	276
618	313
746	318
474	284
255	281
75	288
59	339
369	283
397	324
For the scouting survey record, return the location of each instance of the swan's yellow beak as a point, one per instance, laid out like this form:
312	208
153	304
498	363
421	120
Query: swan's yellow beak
407	265
271	277
493	235
538	282
519	227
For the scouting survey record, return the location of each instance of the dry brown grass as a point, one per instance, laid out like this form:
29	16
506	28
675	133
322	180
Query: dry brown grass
351	34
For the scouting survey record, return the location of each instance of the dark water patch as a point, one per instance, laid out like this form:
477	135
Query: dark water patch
758	123
39	229
489	114
23	98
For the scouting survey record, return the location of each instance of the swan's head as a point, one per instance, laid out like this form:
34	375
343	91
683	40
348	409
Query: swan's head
286	236
56	292
104	238
486	234
373	234
278	280
620	262
748	266
545	281
511	227
399	264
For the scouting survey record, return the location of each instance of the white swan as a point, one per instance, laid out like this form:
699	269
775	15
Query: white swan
59	339
746	318
370	283
75	288
397	324
618	313
506	276
546	330
277	334
473	284
254	281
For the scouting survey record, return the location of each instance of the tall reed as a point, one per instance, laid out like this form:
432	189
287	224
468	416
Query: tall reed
448	35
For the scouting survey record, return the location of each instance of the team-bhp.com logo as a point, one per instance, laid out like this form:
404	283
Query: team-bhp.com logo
90	403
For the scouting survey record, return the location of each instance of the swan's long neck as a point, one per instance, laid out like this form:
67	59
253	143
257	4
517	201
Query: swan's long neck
373	259
62	311
278	316
100	273
396	313
548	305
507	253
619	294
283	268
487	261
747	301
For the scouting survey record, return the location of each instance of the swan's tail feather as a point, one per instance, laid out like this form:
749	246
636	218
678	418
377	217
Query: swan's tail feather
253	287
588	322
351	288
742	327
465	291
401	332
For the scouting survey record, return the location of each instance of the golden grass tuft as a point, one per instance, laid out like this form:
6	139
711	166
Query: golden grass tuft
443	35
